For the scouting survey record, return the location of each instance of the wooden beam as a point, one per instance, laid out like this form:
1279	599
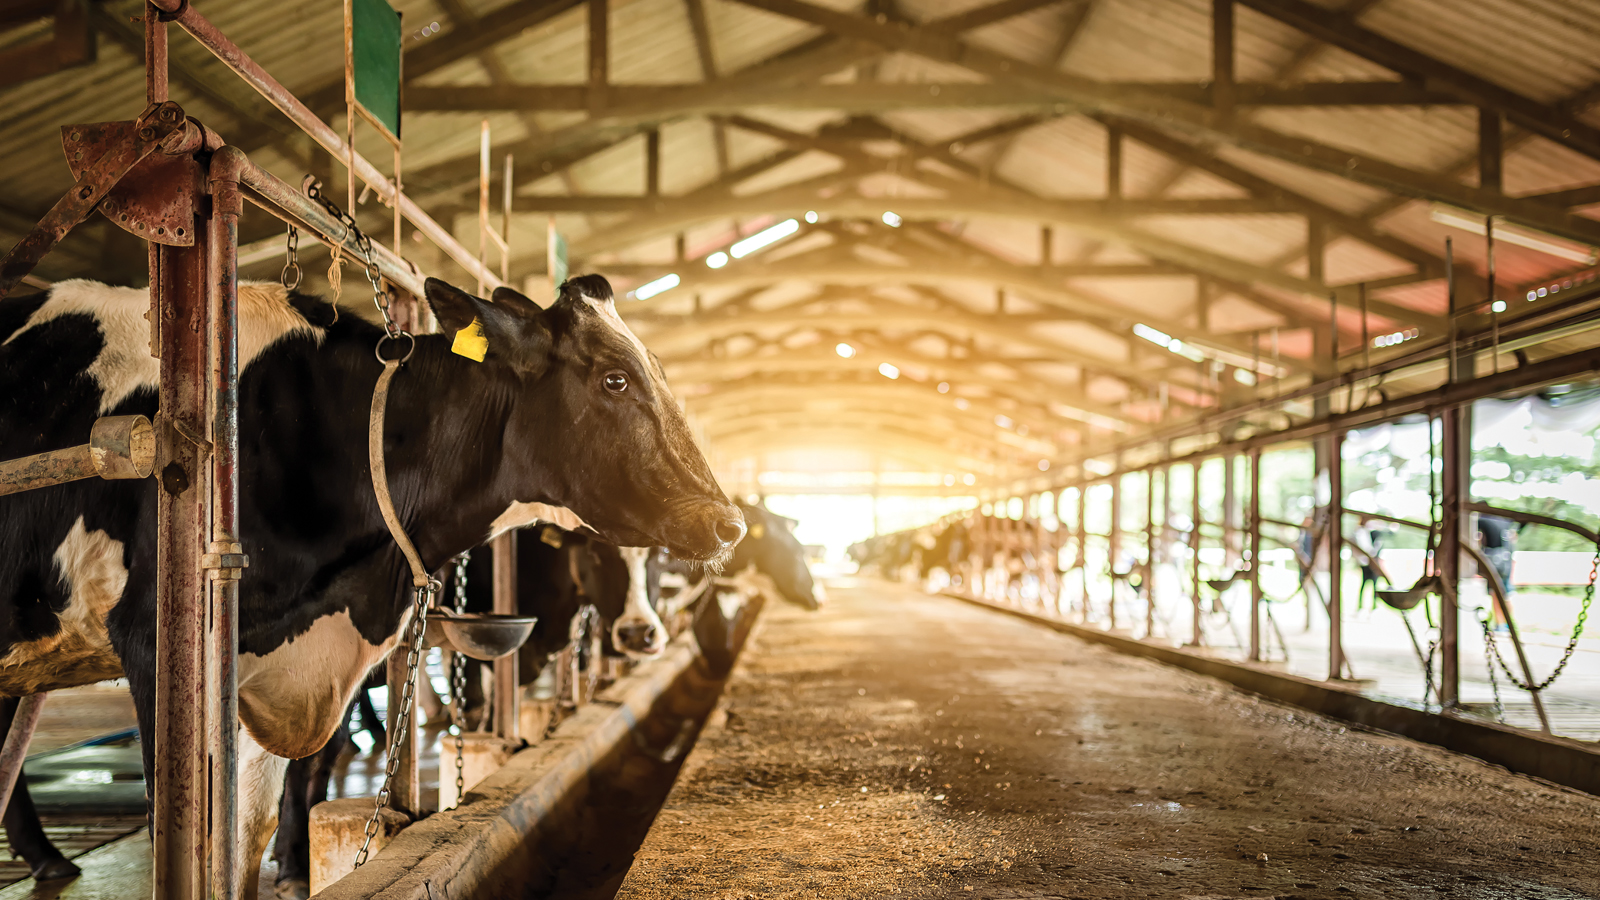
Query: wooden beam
652	164
1113	163
677	100
1195	119
1331	26
599	53
1586	195
1491	152
1316	248
1222	57
752	205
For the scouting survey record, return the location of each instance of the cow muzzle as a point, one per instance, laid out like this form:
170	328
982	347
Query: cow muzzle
707	533
638	636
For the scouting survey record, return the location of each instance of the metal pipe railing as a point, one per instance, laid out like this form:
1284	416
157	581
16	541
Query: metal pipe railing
212	38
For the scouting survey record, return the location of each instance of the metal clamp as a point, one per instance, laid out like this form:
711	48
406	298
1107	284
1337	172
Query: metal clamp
226	561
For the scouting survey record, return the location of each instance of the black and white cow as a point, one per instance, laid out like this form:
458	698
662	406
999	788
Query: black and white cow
567	411
769	550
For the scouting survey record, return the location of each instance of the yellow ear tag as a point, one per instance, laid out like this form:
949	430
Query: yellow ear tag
470	342
551	535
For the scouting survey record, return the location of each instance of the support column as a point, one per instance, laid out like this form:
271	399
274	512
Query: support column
1198	637
1150	552
1083	552
1113	545
179	299
1456	449
1336	660
506	672
1230	511
1255	553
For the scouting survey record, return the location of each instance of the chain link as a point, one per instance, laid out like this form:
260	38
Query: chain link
419	625
1493	648
380	297
290	276
458	681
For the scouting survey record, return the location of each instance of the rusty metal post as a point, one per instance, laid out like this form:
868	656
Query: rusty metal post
182	523
1198	637
225	560
1336	660
1455	518
15	750
506	690
1254	524
405	795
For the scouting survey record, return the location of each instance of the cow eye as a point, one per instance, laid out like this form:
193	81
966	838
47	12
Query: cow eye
616	382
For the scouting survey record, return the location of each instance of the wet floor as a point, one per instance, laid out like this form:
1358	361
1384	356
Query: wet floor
902	745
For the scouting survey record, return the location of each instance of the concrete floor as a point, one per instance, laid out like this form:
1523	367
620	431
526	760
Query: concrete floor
902	745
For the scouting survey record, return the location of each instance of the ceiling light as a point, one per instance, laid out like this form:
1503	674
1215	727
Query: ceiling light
968	479
961	403
844	350
949	481
660	285
1002	421
764	238
811	217
1520	235
888	370
944	387
891	220
717	260
1159	338
1244	376
1044	465
1498	306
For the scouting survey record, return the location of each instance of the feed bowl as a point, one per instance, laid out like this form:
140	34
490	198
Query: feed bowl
1408	599
482	636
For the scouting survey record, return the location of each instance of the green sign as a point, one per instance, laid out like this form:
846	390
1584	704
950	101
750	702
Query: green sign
375	55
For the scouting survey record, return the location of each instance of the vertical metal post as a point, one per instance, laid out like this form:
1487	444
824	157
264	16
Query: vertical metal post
1455	427
483	205
1230	511
182	524
652	162
1336	660
1150	552
1255	553
1083	551
405	795
1197	638
1114	543
222	644
506	689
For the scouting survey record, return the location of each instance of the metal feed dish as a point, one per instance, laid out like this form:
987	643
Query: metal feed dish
482	636
1408	599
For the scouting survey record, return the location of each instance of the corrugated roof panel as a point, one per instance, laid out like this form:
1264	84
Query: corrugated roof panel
1256	238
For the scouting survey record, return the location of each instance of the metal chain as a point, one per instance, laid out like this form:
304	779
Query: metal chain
1572	643
1488	662
419	625
292	262
380	297
458	680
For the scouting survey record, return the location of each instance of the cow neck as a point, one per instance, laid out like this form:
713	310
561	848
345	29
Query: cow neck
445	469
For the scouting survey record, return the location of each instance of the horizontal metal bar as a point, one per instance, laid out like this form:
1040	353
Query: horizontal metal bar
246	68
119	447
288	203
1517	515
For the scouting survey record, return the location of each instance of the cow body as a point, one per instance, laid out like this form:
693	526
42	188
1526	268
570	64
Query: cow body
566	411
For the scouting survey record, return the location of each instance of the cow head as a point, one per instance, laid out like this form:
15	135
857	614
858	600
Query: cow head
773	549
593	427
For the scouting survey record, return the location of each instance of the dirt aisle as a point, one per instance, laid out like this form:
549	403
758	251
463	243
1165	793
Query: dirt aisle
898	745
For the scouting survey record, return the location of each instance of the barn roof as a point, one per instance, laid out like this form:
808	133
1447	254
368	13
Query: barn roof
1062	223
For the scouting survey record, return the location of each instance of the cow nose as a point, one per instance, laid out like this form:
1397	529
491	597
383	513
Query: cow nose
638	637
730	528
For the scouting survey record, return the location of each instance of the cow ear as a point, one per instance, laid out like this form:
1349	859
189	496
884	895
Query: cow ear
515	302
454	308
515	333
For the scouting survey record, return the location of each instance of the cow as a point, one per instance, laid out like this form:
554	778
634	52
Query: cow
769	549
558	572
562	409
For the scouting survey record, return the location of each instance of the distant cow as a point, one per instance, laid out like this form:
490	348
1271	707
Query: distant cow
566	411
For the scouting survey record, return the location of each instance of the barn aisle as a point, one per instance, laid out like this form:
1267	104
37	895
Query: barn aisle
901	745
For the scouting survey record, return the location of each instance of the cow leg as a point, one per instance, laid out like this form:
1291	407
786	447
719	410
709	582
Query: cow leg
24	831
260	789
305	785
